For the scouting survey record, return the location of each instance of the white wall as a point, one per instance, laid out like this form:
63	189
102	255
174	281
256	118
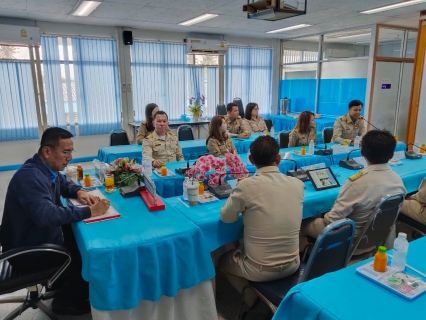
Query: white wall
421	117
345	69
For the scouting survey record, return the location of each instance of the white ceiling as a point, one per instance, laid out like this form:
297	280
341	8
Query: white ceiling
323	15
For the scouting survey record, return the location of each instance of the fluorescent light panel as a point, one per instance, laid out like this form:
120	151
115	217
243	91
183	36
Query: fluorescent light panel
199	19
291	28
393	6
85	8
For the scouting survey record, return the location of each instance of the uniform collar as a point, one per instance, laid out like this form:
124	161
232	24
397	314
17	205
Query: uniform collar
156	136
267	169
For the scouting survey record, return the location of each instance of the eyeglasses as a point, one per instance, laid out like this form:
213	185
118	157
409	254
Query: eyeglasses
255	108
67	153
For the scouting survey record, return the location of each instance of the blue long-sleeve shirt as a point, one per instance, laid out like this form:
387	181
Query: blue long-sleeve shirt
33	211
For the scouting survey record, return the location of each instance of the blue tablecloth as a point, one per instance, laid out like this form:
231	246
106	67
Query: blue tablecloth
288	122
347	295
134	151
141	256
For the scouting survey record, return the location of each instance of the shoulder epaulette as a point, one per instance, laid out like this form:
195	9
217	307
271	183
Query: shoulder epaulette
361	117
356	176
296	130
144	122
343	118
171	133
149	136
239	117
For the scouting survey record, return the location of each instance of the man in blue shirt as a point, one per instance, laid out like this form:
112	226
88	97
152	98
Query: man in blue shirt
34	215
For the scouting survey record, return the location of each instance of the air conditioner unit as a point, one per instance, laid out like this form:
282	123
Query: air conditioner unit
202	46
18	35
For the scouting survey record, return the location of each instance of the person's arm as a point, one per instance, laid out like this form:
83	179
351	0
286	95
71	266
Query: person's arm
212	146
233	206
247	126
363	130
337	132
179	154
244	131
344	205
292	139
262	125
313	135
147	149
232	149
420	196
142	133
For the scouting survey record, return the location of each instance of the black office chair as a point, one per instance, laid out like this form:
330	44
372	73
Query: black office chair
221	110
269	124
419	229
378	226
185	133
330	253
284	138
118	137
12	280
240	106
327	134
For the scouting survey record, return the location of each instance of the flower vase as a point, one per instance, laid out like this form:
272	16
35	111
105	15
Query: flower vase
196	117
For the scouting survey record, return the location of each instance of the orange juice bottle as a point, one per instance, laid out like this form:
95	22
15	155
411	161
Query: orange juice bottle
163	170
380	260
423	148
303	151
87	180
396	138
79	173
201	188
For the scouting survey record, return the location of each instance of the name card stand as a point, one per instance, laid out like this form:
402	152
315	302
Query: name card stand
149	196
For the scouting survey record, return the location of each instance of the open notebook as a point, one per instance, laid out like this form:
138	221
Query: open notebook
110	214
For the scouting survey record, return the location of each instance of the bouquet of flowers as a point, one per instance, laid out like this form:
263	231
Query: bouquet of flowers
126	171
205	164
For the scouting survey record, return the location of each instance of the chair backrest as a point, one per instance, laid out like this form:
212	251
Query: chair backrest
331	250
118	137
269	124
327	134
379	225
240	106
185	133
284	139
221	110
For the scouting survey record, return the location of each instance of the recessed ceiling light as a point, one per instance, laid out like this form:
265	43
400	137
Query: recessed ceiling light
393	6
85	8
291	28
199	19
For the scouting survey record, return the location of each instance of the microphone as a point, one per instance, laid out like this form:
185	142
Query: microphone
323	152
350	164
370	123
410	154
182	171
299	174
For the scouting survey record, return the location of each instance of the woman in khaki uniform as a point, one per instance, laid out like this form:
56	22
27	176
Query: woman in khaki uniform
218	141
304	131
253	122
146	127
415	205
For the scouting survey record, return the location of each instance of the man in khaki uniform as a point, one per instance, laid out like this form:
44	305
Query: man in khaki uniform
415	205
235	123
359	195
350	125
271	234
161	146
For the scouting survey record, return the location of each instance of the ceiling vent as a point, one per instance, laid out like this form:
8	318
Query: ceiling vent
273	10
203	46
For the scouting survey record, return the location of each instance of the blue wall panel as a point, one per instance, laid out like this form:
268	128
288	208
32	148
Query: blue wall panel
301	92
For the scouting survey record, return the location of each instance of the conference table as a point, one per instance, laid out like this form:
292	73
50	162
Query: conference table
344	294
287	122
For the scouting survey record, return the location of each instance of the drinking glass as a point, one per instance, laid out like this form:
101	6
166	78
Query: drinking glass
109	183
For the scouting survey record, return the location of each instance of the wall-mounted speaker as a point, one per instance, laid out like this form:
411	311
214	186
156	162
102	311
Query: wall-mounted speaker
127	38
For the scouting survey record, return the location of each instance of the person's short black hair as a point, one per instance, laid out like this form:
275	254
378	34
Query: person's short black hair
355	103
51	137
378	146
230	106
264	150
160	113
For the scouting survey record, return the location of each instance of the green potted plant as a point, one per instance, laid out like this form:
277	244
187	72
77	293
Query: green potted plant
195	107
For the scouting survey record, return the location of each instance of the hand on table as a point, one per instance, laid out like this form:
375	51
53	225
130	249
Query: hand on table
99	208
244	135
157	163
86	198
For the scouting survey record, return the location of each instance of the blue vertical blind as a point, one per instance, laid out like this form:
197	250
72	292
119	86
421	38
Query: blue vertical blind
18	112
248	75
212	91
159	76
96	84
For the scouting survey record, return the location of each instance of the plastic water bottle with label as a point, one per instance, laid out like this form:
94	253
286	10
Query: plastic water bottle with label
272	132
185	189
147	167
356	142
416	147
311	147
400	247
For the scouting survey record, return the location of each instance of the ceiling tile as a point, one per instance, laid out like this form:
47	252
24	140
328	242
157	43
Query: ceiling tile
63	7
118	11
13	4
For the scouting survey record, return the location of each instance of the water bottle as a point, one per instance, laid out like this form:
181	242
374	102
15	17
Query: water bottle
272	132
356	142
416	147
311	147
185	188
147	167
400	247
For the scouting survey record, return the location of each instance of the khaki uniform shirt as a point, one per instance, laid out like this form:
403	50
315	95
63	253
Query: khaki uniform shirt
415	206
166	150
358	197
271	204
219	148
297	138
142	133
345	128
255	126
235	127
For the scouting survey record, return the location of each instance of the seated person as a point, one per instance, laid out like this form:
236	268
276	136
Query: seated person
218	141
271	206
415	205
146	127
161	146
350	125
304	131
359	195
252	121
34	215
235	124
